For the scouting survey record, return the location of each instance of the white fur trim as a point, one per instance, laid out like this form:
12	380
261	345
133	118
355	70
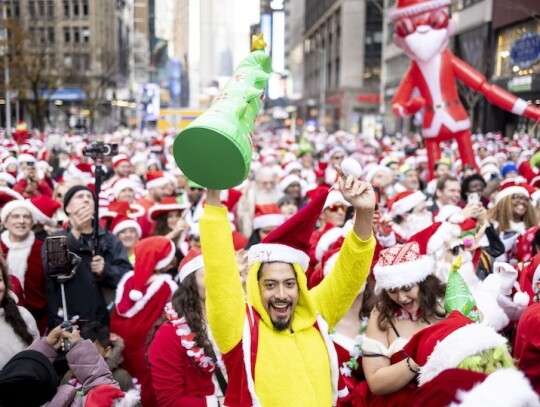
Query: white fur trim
126	224
505	387
404	205
156	183
131	398
335	197
275	252
168	207
167	259
446	212
288	180
333	359
460	344
519	107
17	256
212	401
326	240
445	233
418	8
155	285
509	192
15	204
190	267
403	274
270	219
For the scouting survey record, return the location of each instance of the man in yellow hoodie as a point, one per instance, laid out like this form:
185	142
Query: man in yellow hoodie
276	347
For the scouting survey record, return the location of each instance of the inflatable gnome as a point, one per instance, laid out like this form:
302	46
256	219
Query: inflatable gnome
422	30
215	149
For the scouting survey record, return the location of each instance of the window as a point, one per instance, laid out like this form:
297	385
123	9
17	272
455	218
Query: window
41	32
41	8
85	35
32	8
76	35
50	35
66	8
85	8
67	35
76	8
50	8
16	8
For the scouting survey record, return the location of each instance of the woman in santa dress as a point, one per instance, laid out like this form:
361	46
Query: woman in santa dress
184	361
140	298
408	299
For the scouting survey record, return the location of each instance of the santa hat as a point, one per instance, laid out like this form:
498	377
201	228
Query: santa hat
289	242
152	253
230	197
405	201
334	198
509	189
8	178
155	179
288	180
402	265
292	166
166	205
106	395
326	241
119	159
44	208
121	184
373	169
191	263
446	344
267	215
121	222
16	204
26	158
8	194
116	208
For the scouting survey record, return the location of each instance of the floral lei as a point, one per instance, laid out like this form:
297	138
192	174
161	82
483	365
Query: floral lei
347	367
187	340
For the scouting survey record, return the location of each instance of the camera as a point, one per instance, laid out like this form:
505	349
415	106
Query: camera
473	197
58	262
100	150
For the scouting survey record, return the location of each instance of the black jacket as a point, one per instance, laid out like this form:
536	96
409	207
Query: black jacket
84	295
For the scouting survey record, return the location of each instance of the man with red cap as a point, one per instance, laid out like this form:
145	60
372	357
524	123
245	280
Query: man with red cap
156	182
281	317
140	298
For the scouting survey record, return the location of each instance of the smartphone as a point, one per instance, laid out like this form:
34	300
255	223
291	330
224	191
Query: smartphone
58	264
473	197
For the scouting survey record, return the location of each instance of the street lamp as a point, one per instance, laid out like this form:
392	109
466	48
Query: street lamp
4	36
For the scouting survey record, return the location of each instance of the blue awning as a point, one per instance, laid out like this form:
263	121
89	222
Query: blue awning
65	94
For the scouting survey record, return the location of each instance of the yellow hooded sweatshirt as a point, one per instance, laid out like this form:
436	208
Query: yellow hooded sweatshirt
292	367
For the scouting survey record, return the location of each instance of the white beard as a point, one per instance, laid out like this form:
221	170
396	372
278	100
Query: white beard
266	197
416	223
330	176
423	46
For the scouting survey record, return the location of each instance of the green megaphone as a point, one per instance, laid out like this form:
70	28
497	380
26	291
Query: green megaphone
215	149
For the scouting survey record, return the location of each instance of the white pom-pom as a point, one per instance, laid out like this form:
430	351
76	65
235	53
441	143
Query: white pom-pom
135	295
521	299
350	166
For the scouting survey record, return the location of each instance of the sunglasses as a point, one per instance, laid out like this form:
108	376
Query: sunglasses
197	189
335	208
338	157
437	20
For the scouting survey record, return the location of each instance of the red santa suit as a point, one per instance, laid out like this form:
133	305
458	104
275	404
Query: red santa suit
140	299
24	262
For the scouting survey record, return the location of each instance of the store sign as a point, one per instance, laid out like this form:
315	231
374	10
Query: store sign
525	51
520	84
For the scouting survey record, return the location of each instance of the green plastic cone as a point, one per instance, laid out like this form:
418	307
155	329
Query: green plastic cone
215	149
458	296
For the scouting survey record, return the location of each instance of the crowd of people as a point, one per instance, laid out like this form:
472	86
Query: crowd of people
316	282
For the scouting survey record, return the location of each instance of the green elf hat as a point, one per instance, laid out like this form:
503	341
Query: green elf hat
458	297
215	149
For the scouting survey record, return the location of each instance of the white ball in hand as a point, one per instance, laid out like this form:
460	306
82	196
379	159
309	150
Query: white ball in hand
350	166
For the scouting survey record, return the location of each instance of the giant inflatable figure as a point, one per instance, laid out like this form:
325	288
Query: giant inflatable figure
422	31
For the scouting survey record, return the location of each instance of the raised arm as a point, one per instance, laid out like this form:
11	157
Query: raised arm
335	295
225	300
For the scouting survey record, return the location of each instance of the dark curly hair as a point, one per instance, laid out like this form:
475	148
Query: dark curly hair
186	302
12	314
466	182
431	290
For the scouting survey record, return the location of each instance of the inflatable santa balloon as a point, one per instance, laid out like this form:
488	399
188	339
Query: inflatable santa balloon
422	31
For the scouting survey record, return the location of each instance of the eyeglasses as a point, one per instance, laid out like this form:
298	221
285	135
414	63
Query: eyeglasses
335	208
455	249
437	20
338	157
197	189
520	197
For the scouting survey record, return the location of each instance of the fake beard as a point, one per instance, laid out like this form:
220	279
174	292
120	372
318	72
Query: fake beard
330	175
416	223
423	46
442	270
